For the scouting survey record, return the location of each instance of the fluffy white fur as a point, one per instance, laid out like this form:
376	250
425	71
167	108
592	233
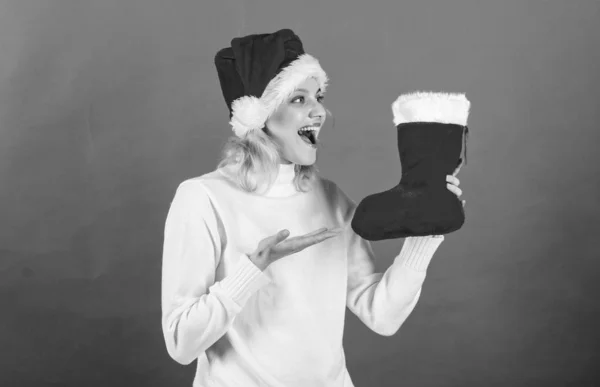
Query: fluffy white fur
251	113
429	106
248	112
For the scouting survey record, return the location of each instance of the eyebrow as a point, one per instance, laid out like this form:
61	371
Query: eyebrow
306	91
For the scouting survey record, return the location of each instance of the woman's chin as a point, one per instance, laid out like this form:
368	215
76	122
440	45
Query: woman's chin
310	159
306	155
305	160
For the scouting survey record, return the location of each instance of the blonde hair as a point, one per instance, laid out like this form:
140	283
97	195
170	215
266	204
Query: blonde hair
254	162
254	159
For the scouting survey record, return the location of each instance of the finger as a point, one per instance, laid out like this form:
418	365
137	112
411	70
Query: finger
307	238
316	231
454	189
279	237
321	231
464	202
321	237
306	241
452	180
457	169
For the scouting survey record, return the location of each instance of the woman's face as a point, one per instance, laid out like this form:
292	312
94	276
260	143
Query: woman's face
302	109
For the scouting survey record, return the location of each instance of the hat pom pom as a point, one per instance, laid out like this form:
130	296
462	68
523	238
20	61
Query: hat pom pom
248	113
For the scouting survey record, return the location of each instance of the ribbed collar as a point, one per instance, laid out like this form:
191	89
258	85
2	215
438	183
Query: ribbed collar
283	185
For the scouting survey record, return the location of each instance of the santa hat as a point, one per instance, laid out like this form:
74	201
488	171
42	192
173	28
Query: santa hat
259	72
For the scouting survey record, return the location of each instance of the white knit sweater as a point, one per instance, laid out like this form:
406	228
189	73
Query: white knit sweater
283	326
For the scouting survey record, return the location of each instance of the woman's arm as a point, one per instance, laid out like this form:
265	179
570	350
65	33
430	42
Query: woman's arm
196	310
383	301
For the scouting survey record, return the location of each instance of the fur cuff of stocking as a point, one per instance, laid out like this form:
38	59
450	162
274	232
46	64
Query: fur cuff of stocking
428	106
249	112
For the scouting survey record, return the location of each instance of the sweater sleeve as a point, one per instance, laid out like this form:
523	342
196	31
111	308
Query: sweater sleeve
196	309
383	301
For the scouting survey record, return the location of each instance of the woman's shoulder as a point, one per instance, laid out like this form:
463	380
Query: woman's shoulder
337	199
328	185
207	182
332	189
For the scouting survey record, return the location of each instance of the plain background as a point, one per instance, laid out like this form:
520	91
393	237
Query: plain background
106	106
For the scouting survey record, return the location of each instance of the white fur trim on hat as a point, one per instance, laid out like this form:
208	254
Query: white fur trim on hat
427	106
250	113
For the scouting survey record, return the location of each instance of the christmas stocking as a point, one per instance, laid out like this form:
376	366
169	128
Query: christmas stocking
432	135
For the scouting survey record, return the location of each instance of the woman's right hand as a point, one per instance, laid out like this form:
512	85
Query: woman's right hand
276	247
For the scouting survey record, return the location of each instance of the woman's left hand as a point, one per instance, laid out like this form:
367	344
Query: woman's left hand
452	185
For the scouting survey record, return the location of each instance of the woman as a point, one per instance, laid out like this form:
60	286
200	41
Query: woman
259	260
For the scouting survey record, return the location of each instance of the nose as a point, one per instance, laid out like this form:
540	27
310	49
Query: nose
317	110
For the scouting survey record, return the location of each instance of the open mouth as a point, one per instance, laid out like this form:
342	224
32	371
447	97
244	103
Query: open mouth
308	135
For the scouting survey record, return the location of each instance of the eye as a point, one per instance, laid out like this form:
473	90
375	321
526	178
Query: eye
301	99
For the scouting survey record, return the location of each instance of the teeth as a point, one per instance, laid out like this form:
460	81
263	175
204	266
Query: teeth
312	129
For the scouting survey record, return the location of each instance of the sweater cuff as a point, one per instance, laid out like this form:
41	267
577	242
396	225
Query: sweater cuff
244	281
417	252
